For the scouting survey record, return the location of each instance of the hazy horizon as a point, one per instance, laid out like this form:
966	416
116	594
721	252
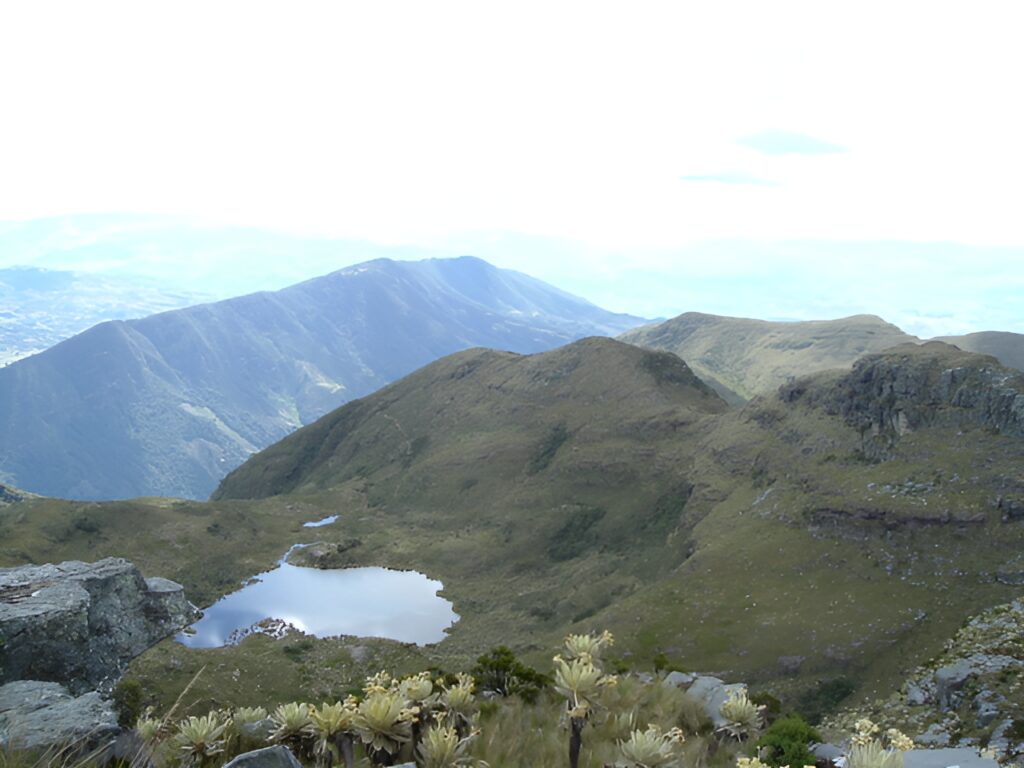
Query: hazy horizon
797	160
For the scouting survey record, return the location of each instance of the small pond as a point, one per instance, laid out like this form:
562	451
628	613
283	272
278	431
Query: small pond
366	602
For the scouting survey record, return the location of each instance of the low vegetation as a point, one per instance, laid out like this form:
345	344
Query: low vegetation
667	518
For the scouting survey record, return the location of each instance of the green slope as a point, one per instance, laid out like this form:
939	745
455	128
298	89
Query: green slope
742	358
1006	347
814	534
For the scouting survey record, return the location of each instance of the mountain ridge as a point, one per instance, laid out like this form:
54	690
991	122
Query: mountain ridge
166	404
548	375
744	357
1007	347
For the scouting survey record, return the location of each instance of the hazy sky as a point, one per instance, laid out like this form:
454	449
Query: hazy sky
765	159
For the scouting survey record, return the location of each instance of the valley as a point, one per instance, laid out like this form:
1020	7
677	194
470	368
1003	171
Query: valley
808	537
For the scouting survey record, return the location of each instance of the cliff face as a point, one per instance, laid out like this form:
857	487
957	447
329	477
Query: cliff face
890	394
79	623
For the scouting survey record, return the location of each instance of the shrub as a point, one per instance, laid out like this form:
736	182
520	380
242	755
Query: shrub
787	742
128	699
501	672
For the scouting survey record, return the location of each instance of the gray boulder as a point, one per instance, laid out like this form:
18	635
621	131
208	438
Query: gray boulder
987	709
678	680
918	694
80	623
712	693
949	683
43	715
1000	741
935	736
258	732
944	758
829	752
269	757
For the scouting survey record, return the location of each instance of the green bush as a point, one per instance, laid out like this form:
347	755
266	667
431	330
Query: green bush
129	699
787	742
501	672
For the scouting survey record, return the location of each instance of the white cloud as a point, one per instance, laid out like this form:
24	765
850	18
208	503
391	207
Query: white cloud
399	121
425	123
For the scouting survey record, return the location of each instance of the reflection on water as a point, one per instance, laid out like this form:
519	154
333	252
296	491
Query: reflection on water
318	523
368	602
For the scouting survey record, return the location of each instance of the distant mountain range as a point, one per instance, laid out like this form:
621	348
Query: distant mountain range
168	404
41	307
1006	347
742	358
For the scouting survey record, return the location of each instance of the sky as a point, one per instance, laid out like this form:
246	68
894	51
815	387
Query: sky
786	160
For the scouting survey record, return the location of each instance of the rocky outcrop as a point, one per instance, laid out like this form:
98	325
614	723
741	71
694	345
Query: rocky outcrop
79	623
270	757
35	715
711	692
967	696
9	495
888	395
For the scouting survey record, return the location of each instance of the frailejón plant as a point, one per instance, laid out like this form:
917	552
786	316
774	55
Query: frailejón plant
651	748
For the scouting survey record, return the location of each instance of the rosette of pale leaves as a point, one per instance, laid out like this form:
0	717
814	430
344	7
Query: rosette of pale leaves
149	729
383	722
248	715
743	717
441	747
651	748
580	682
864	732
458	700
868	751
899	740
379	683
873	755
587	647
330	721
417	688
333	727
200	738
292	722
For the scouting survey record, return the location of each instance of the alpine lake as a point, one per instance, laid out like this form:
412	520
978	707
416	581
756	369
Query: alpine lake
364	602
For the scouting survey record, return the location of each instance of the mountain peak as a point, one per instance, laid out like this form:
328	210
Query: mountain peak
166	405
742	358
594	386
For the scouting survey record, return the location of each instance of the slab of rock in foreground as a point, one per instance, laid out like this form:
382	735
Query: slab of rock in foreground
947	758
80	623
35	715
270	757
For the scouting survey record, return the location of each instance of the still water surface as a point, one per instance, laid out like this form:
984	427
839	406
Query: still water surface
367	602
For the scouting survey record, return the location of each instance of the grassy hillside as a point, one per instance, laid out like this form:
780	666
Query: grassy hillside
742	358
1006	347
811	536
